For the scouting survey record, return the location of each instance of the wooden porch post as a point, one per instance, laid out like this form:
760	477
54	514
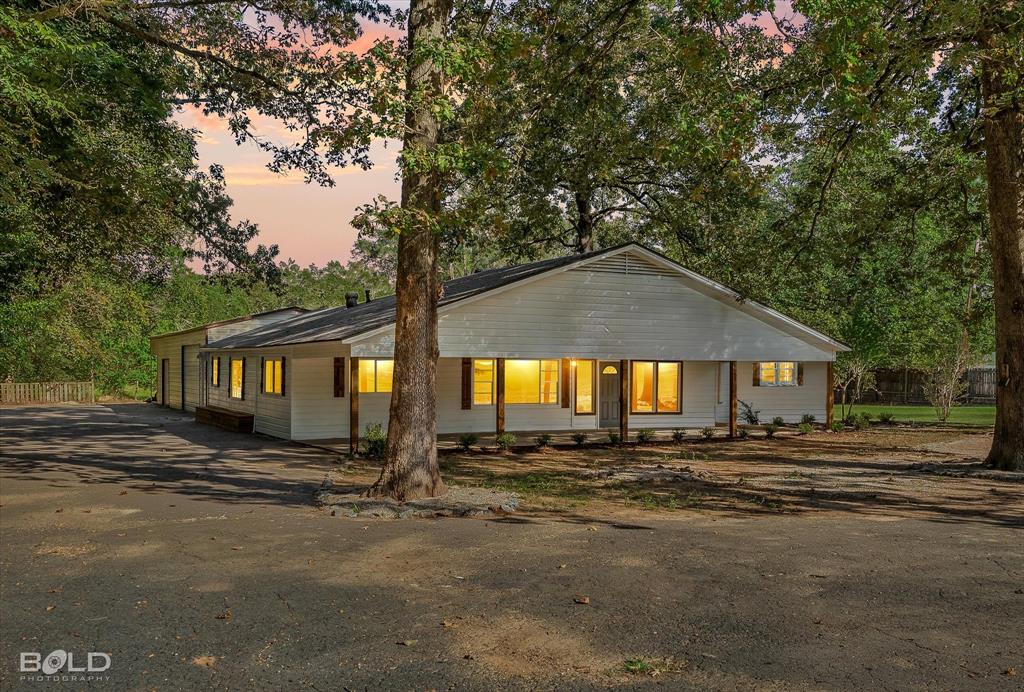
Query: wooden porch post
733	407
499	396
829	395
623	400
353	406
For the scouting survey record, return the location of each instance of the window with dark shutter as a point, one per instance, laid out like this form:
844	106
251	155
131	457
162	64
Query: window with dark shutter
339	378
467	383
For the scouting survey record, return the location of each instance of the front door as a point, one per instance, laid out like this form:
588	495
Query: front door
609	395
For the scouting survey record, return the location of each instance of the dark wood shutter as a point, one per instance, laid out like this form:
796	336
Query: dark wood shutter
467	383
800	374
263	376
757	374
566	391
284	375
339	378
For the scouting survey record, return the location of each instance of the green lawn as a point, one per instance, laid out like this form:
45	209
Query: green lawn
963	415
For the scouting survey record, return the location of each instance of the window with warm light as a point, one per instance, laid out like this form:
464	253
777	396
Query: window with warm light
237	367
273	376
483	382
215	372
655	386
531	381
584	386
376	375
780	373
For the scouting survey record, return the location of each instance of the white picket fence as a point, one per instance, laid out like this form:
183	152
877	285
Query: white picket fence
47	392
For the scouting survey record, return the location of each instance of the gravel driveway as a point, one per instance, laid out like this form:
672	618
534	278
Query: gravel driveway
195	559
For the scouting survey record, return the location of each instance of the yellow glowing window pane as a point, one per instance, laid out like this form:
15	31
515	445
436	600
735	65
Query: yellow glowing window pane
767	373
549	381
610	370
642	399
787	372
366	376
483	382
585	386
268	376
385	375
278	377
668	387
273	376
215	372
522	382
237	385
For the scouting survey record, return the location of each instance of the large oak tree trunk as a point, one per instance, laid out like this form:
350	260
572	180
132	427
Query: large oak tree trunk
1004	161
584	223
410	468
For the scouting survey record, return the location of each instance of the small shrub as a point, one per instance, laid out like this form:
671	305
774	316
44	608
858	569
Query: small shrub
678	435
613	437
808	418
866	416
376	441
838	426
778	421
544	439
579	438
861	422
505	441
638	666
708	432
743	433
467	440
770	430
749	415
644	435
805	428
887	417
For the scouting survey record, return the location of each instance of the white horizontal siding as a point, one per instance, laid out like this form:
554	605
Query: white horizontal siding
272	413
316	413
789	402
192	369
602	313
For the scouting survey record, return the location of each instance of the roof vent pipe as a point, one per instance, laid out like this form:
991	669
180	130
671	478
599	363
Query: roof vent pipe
351	298
368	295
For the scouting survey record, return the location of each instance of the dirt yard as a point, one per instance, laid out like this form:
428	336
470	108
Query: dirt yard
196	558
884	472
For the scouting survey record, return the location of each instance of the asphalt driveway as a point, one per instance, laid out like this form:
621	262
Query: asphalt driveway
195	559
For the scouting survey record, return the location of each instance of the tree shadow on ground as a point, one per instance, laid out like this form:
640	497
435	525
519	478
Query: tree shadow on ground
134	450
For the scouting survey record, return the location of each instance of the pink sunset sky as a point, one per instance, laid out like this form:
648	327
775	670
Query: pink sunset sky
310	224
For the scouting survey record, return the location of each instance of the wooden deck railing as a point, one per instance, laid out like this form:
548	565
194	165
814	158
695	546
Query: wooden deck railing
46	392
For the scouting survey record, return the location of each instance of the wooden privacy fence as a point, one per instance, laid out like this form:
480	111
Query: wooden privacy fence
46	392
905	387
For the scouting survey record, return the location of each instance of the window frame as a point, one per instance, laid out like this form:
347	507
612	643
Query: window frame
593	388
654	395
493	382
376	376
215	371
540	382
279	361
231	385
795	382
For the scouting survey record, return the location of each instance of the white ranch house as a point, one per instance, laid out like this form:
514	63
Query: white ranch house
621	338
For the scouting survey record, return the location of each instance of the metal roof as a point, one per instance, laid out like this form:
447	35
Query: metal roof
232	320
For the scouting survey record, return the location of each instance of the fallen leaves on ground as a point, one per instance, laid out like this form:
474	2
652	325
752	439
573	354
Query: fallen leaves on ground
206	661
581	599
